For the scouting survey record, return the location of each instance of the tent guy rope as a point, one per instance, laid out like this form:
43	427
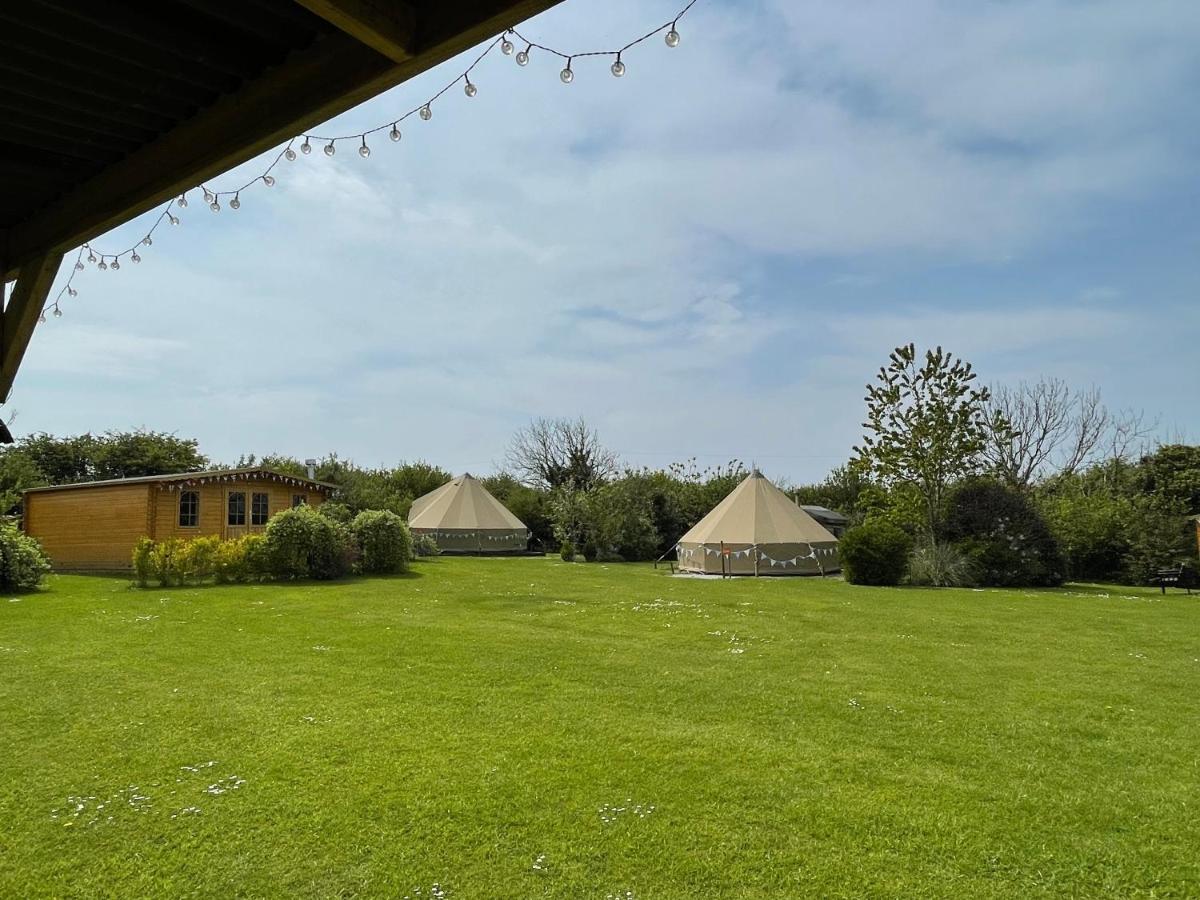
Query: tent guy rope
105	261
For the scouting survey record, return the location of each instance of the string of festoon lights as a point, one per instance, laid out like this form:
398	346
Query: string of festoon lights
509	43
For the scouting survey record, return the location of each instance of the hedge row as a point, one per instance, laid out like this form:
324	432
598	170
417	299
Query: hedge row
297	543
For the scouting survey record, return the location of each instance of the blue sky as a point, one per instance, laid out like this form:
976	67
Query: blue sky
708	257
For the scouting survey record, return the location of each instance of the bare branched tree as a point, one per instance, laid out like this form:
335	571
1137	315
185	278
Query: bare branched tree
1045	428
553	453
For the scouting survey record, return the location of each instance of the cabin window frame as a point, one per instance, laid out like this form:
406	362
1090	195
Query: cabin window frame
194	513
257	516
231	514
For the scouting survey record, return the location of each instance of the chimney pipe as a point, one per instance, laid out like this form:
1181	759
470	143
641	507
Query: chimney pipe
312	469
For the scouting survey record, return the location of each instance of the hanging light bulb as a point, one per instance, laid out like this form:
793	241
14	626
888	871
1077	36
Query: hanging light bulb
103	265
566	75
57	312
506	47
116	263
330	149
672	37
91	255
79	265
135	258
215	206
42	317
289	154
306	147
394	134
236	202
364	151
523	56
469	89
269	180
209	197
426	113
618	67
182	201
147	240
174	220
71	292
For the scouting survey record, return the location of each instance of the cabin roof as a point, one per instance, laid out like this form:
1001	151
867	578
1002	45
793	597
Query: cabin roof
254	473
112	109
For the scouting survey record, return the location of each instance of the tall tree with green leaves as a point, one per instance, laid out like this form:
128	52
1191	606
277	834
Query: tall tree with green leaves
926	426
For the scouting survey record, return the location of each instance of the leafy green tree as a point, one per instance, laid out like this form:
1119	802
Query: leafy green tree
925	427
130	454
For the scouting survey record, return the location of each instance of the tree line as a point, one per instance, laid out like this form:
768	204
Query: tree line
947	463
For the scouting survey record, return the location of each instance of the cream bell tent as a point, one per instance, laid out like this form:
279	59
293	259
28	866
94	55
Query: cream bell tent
464	518
758	530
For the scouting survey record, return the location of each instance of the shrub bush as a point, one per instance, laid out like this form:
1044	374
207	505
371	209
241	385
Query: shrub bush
240	560
425	545
301	543
875	552
567	551
196	559
143	562
383	541
23	563
1003	533
944	565
165	562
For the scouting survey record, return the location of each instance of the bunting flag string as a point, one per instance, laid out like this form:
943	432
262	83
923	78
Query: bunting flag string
106	260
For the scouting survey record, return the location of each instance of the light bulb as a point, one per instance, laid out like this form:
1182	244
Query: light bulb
208	197
147	240
79	265
522	57
506	47
116	263
567	75
672	37
306	147
394	134
57	313
330	149
135	258
426	112
364	151
269	180
215	206
174	220
618	68
470	90
103	265
91	255
42	317
71	292
182	201
289	154
236	202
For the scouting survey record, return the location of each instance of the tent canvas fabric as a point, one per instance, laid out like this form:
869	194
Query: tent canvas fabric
463	517
758	530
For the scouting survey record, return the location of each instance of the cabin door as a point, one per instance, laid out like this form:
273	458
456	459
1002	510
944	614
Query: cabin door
237	513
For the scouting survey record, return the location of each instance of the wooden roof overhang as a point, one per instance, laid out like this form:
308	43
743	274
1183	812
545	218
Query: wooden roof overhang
191	479
110	109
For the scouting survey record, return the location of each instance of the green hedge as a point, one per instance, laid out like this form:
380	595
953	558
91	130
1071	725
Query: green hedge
23	563
875	552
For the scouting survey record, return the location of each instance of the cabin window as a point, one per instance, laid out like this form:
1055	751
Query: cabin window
189	509
237	508
299	500
258	509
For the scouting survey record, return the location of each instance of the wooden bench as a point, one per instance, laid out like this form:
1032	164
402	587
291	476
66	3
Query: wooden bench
1181	576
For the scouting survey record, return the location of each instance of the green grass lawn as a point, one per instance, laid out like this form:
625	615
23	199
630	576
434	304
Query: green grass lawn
526	728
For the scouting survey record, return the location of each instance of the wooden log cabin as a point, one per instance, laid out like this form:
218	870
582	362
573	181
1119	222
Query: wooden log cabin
92	526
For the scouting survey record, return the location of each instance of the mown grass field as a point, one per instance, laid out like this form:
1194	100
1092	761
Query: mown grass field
526	728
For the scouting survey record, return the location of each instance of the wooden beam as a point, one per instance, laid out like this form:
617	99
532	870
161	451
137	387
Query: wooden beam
334	75
21	313
389	27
